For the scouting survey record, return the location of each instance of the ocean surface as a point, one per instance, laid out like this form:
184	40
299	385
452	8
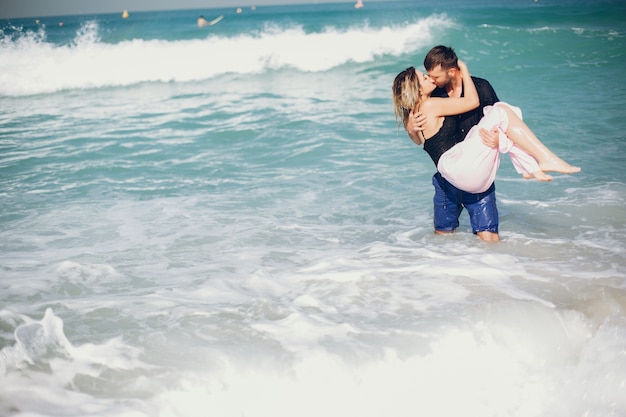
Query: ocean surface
228	221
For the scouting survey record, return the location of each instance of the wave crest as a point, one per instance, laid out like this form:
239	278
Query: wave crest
31	65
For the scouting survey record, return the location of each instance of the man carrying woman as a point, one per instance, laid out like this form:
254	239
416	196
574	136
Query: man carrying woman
466	171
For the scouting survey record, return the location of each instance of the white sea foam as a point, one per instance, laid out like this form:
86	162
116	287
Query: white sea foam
515	358
403	326
31	65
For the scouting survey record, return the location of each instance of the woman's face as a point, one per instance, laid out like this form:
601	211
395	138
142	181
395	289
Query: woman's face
427	84
441	77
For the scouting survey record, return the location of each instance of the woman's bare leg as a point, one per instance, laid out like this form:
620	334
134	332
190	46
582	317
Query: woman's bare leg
523	137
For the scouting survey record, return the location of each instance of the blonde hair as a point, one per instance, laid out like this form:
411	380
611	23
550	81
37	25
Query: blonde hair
405	89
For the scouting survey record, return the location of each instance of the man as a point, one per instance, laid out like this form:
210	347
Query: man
441	64
202	22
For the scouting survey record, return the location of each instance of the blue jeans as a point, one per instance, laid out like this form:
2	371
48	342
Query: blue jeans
449	202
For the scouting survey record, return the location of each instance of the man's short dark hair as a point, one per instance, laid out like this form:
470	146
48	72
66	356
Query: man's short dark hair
441	55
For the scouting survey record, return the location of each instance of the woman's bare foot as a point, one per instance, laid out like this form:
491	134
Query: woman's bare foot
538	175
556	164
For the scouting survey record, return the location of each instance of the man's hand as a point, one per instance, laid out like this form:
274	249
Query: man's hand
490	138
415	123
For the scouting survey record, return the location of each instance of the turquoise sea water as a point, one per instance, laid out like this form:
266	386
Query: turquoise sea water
228	222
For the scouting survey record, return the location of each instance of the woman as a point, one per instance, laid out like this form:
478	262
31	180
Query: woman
470	165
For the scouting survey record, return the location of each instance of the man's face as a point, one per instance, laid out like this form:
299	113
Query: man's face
440	77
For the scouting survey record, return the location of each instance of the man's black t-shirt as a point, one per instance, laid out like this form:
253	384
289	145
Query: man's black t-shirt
487	97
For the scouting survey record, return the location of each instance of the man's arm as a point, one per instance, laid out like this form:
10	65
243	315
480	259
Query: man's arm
488	97
490	138
414	125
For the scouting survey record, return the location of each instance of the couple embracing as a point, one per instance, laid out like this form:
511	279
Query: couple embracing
464	127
